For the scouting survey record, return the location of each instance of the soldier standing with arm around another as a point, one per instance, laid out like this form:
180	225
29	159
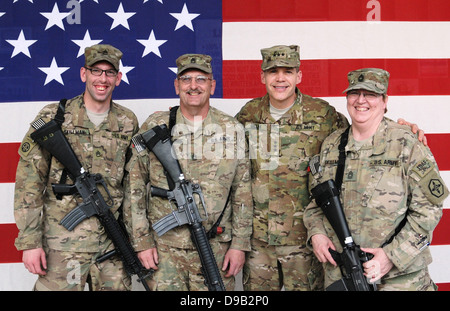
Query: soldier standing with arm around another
279	256
391	191
99	131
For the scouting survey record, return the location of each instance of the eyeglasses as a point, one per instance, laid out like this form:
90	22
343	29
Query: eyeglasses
98	72
353	95
198	79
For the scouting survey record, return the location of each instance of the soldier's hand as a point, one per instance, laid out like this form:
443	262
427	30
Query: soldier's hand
321	243
415	129
149	258
234	261
35	261
378	266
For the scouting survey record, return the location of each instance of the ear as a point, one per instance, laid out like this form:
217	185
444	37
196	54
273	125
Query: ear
177	87
299	77
386	97
83	74
118	78
263	79
213	87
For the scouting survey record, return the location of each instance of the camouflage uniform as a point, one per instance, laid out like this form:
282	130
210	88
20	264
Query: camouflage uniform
388	178
280	189
102	149
179	265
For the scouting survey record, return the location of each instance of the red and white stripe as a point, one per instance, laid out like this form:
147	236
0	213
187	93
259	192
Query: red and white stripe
411	41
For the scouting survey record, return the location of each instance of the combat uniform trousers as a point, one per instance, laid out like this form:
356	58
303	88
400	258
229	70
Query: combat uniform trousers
274	268
72	271
179	269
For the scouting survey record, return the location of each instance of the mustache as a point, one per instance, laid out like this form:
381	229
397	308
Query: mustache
196	90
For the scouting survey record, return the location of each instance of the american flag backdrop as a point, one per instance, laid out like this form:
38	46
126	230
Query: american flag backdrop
42	44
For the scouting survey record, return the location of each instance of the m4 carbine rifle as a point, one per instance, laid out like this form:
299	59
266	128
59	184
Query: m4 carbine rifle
158	141
352	257
50	136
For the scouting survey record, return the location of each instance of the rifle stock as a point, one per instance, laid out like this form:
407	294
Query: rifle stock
157	140
50	136
352	257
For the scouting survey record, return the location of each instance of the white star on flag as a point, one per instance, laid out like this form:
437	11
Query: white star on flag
55	17
160	1
184	18
85	42
53	72
151	45
21	45
18	0
125	70
120	17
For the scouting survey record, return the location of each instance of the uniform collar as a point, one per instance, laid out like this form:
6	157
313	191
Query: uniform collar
204	130
295	113
77	109
379	141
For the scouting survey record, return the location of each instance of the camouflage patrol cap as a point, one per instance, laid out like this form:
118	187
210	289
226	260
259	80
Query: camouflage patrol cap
281	56
370	79
102	52
194	61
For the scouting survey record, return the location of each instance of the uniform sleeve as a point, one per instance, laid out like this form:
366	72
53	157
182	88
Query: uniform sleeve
427	192
242	203
31	181
313	215
135	201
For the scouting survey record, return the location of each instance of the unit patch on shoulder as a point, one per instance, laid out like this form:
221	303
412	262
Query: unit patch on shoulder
430	182
436	187
26	146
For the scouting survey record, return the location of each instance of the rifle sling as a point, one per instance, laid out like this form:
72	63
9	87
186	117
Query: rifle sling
341	160
59	118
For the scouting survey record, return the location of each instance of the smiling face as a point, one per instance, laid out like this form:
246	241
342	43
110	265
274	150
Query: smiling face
195	94
366	108
281	84
99	88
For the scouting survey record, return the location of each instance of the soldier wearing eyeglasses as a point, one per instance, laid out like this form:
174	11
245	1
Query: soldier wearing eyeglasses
280	257
100	131
392	192
211	149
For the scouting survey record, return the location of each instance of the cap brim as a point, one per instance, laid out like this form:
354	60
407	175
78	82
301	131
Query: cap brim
276	64
194	66
101	59
363	86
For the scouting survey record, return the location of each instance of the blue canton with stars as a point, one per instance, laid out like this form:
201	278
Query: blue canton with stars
42	44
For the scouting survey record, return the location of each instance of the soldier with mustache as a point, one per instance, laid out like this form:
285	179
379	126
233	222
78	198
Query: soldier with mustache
212	152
